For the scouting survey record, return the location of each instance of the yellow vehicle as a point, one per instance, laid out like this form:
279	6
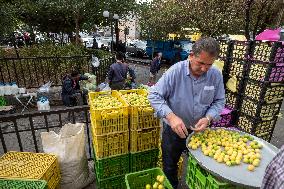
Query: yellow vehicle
191	33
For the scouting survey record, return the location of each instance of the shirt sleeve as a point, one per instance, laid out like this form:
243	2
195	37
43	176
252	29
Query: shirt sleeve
160	92
110	74
219	100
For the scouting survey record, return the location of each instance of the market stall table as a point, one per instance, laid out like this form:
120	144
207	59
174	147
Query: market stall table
29	96
238	175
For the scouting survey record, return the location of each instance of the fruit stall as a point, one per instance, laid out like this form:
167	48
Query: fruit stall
125	134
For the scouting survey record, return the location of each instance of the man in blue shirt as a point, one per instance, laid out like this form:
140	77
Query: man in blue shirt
188	96
154	68
118	72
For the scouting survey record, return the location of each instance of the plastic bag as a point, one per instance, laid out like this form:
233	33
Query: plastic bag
45	88
95	61
219	64
43	103
104	87
69	147
232	84
107	88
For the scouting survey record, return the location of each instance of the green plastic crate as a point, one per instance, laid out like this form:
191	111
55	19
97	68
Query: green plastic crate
112	166
197	177
143	160
22	184
213	183
3	102
117	182
139	180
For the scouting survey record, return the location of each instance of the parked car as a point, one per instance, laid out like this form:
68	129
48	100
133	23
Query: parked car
137	49
88	41
104	43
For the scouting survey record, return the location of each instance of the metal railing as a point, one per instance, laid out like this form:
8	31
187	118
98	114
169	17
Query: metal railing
21	132
33	72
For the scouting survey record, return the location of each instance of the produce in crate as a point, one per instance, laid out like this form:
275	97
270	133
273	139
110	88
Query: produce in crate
89	84
236	69
159	184
228	147
135	99
262	52
105	102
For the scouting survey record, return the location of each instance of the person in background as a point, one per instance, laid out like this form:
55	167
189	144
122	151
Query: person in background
71	89
154	68
27	39
80	41
95	44
130	79
118	71
188	97
274	172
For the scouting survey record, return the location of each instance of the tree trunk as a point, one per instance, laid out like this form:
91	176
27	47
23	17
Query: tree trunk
116	33
280	16
77	27
247	19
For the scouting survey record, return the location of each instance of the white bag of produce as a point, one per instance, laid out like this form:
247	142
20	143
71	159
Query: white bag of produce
7	89
45	88
14	88
95	61
69	147
2	91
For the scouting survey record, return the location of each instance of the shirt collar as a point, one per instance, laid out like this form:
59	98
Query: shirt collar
189	73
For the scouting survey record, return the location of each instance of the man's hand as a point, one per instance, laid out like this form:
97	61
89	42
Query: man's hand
177	125
201	125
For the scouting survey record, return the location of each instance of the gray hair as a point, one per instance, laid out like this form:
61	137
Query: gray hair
208	44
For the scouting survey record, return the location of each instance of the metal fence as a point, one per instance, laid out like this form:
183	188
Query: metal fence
21	132
33	72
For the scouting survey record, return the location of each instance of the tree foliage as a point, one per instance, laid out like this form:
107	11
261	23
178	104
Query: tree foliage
212	18
8	19
62	15
260	14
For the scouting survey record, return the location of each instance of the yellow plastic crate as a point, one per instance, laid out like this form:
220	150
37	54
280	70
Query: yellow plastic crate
141	117
111	144
110	126
28	165
146	139
108	120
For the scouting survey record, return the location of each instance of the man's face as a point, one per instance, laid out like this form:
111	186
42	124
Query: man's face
201	63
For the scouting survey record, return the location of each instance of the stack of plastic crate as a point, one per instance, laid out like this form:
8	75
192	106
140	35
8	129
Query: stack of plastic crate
263	90
197	177
144	132
226	118
234	75
110	134
29	166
